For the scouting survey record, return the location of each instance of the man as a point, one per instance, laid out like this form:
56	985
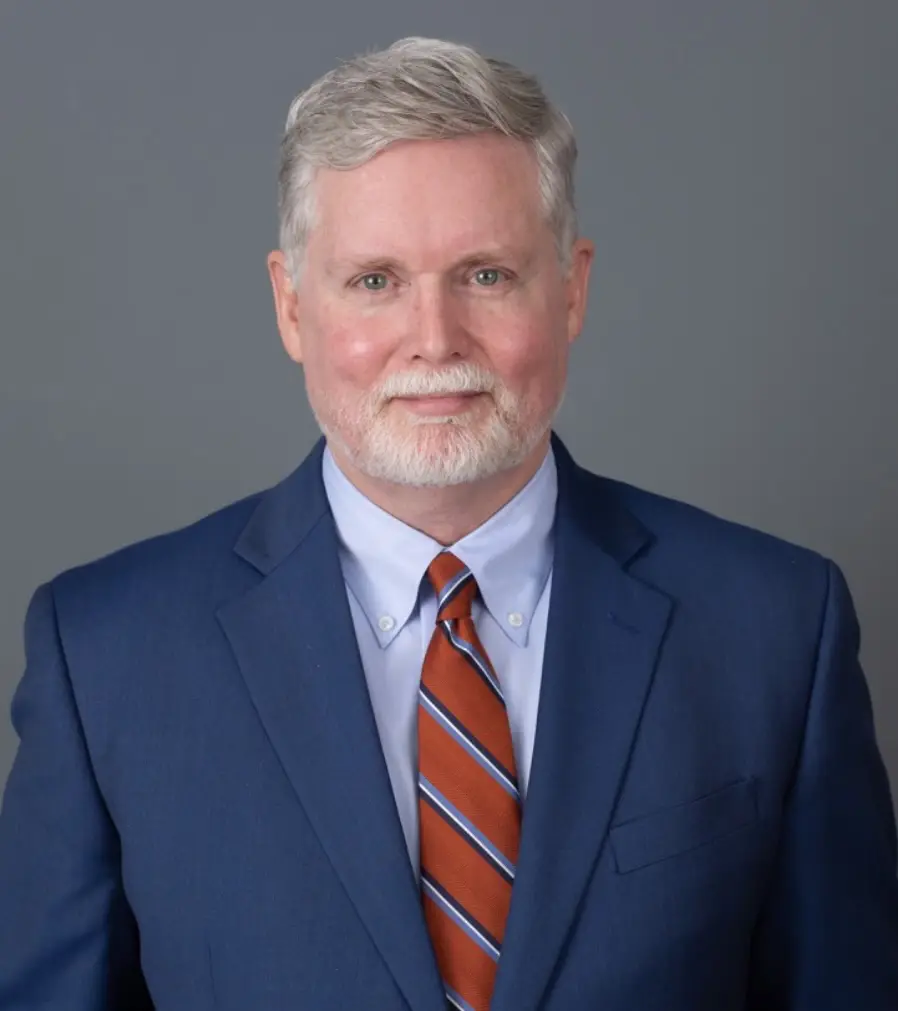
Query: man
443	719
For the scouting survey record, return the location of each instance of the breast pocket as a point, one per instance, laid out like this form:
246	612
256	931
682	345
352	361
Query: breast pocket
663	834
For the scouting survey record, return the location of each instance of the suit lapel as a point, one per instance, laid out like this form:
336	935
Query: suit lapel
293	637
605	629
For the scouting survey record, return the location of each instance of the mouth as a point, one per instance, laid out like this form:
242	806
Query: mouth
450	403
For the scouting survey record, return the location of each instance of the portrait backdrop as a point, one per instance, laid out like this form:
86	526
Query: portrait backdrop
738	172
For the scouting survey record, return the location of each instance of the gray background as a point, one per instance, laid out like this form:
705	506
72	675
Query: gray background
739	171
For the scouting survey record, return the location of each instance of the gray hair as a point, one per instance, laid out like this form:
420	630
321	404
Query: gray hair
419	89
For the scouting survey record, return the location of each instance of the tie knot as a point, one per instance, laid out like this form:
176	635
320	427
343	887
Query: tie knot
454	586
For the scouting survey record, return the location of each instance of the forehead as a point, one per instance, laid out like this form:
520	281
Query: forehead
432	197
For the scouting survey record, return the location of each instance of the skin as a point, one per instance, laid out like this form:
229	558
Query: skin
434	253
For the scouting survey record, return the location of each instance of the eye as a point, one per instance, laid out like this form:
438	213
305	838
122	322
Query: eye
375	281
487	277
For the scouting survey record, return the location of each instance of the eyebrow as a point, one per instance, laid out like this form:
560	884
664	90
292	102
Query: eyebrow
362	262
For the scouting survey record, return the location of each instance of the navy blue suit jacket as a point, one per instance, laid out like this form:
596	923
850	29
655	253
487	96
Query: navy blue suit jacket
199	815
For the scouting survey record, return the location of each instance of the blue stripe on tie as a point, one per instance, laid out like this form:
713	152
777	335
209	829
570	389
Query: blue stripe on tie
462	920
451	900
456	999
467	830
453	587
474	658
469	742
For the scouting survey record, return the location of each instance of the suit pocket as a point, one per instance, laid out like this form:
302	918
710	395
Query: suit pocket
663	834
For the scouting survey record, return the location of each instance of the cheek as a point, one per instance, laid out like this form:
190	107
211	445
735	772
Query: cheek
350	354
531	355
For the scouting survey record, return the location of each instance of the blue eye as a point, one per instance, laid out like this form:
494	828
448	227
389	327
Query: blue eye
488	276
374	282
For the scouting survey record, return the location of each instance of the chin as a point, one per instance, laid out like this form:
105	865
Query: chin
441	452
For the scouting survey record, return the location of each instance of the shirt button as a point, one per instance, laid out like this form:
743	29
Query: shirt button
515	619
386	623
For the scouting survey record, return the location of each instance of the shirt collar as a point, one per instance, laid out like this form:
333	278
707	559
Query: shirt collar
384	560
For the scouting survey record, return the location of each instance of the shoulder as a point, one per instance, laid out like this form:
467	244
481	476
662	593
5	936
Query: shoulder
693	554
693	527
166	571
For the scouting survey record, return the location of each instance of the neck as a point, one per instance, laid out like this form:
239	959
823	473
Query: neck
449	513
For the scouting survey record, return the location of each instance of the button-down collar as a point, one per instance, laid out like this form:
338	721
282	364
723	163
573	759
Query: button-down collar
384	559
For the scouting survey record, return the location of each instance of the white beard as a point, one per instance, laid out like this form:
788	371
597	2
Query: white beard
436	451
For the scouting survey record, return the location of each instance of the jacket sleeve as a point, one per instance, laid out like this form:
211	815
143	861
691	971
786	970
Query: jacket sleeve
68	940
828	937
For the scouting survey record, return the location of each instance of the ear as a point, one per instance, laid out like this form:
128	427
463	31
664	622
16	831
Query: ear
286	304
577	284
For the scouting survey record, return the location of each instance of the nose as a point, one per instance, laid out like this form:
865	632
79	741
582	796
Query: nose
437	331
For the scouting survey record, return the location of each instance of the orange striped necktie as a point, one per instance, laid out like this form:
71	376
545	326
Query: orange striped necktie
468	796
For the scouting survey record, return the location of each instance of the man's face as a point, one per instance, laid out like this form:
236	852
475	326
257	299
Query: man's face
431	316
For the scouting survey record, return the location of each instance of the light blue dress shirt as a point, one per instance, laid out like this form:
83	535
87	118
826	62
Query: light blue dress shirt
394	612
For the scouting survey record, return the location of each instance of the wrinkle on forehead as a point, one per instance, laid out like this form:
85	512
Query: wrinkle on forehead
432	201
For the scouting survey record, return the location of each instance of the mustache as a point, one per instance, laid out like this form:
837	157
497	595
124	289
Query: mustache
457	379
